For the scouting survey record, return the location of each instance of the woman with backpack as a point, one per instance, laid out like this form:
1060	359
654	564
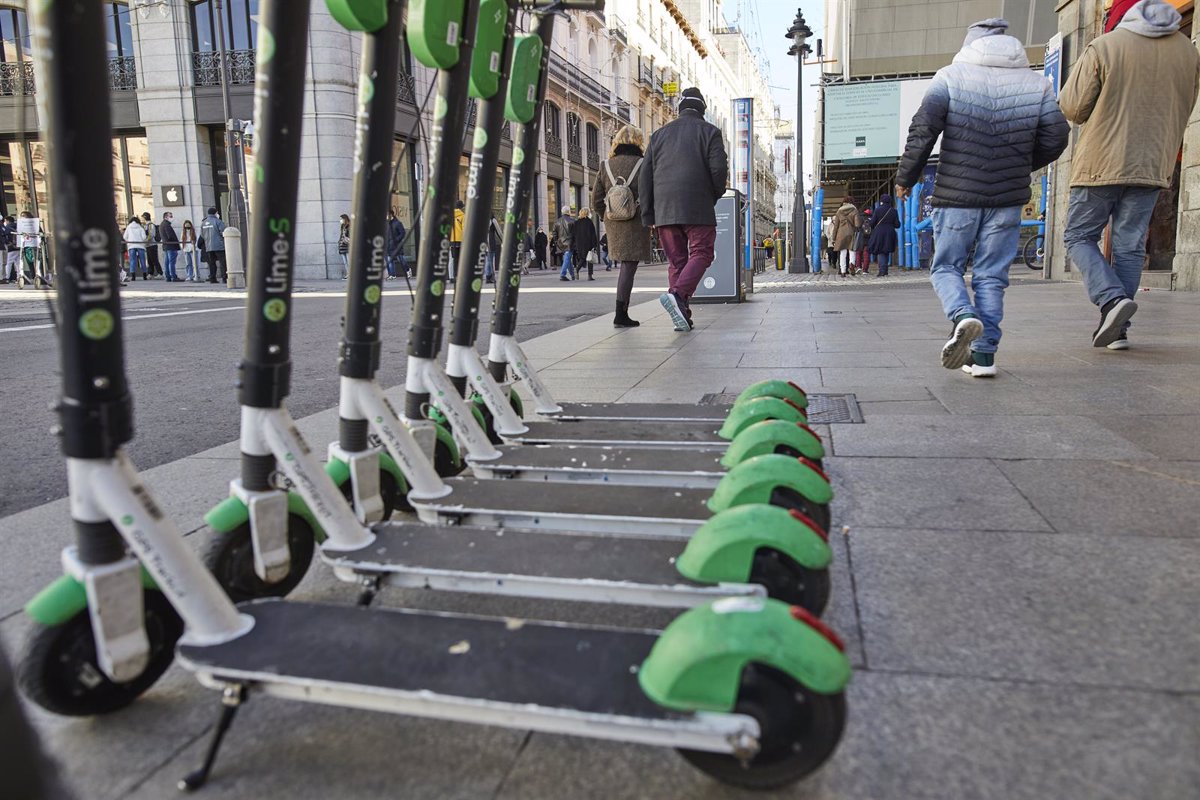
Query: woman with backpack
615	198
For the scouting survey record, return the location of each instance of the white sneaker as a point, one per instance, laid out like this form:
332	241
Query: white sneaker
669	302
957	350
977	371
1120	343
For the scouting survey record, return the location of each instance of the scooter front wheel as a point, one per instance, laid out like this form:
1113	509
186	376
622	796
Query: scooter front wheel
61	673
789	582
230	558
785	497
800	731
444	462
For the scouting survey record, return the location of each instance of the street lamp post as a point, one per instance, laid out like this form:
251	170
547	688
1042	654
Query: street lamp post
799	33
233	161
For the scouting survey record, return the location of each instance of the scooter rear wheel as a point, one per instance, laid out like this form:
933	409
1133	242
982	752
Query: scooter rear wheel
443	461
230	558
389	490
61	673
789	582
800	731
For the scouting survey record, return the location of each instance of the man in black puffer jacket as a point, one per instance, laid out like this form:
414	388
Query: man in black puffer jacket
999	123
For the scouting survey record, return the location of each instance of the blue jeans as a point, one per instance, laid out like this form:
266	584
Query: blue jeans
169	267
189	261
994	232
137	256
489	266
568	270
1091	207
885	262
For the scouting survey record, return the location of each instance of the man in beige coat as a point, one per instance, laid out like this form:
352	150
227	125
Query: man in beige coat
1133	91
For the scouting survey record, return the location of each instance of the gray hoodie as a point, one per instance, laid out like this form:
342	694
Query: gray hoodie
1152	18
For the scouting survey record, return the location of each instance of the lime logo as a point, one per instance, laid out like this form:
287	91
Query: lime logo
518	156
266	45
480	138
432	191
96	324
514	281
445	229
366	89
436	289
379	419
476	285
440	107
275	309
127	519
260	173
372	294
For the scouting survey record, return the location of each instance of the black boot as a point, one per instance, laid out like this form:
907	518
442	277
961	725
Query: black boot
622	320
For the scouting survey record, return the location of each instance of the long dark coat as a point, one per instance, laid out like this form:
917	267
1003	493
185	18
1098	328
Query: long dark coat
585	239
685	174
883	237
628	239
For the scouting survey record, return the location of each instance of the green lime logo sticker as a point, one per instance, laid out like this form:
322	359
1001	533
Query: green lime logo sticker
437	288
266	45
372	294
518	156
476	285
127	519
440	107
480	138
366	89
274	309
96	324
514	281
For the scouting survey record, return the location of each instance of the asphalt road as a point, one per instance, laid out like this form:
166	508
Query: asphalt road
182	346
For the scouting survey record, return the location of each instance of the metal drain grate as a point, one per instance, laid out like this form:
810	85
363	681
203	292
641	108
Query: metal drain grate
823	409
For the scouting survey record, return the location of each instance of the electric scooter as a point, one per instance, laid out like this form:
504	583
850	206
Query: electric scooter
749	689
749	550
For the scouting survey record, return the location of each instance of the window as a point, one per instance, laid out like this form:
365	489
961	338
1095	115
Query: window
402	195
241	25
14	31
552	120
593	138
573	134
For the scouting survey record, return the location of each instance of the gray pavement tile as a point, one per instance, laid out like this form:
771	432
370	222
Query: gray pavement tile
1118	498
950	436
1175	437
1002	396
954	494
704	379
930	375
877	392
794	358
1064	608
890	407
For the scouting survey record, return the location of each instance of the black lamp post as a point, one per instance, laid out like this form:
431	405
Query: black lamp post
799	33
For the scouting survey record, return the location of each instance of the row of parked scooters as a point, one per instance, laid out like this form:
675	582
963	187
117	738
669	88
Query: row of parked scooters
720	512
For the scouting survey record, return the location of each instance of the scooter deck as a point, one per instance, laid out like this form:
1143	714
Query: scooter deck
644	466
628	433
508	672
527	563
662	412
633	510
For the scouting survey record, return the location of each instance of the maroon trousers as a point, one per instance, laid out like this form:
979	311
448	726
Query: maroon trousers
689	251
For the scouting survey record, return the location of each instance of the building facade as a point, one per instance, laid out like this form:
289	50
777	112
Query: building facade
625	66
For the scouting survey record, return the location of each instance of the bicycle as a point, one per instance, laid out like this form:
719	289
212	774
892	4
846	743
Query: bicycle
1034	252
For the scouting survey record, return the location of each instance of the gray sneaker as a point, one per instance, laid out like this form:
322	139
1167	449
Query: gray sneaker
957	350
671	303
1113	317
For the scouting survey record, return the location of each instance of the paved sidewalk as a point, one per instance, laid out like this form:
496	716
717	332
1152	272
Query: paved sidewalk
1015	572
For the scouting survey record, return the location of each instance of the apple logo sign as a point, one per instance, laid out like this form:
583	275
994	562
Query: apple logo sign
172	195
710	282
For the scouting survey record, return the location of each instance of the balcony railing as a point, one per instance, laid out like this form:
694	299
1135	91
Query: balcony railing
406	91
17	78
624	110
206	68
553	144
574	78
616	27
506	133
575	152
593	160
645	74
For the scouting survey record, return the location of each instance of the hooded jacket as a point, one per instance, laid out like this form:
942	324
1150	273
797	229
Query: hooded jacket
1134	88
998	121
846	221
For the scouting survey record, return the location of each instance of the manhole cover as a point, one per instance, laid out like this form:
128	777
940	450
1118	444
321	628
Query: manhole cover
823	409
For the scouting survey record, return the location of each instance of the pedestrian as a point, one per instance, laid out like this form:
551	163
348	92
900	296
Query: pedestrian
827	239
604	251
135	245
456	234
883	241
212	237
563	233
8	233
615	197
187	241
825	248
539	247
1132	90
343	244
395	246
491	259
999	123
862	258
684	175
846	223
153	237
170	245
587	243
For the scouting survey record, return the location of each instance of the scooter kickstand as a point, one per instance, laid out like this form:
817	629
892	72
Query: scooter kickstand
370	587
231	700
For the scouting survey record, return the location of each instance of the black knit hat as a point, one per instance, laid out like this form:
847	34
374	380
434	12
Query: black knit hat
692	99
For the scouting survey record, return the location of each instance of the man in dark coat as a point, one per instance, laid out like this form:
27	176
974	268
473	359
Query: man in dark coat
999	123
539	247
171	246
395	245
684	175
